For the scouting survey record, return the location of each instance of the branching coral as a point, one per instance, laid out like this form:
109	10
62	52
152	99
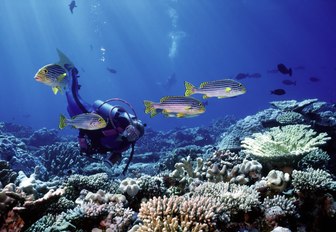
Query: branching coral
315	159
59	158
278	209
233	197
178	213
312	180
284	144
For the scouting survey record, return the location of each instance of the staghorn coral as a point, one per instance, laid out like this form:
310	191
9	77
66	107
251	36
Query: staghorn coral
178	213
313	180
283	145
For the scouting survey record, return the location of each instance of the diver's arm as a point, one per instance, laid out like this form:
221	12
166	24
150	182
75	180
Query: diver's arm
76	105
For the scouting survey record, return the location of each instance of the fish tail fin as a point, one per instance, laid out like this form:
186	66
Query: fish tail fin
153	113
62	123
189	89
149	108
290	72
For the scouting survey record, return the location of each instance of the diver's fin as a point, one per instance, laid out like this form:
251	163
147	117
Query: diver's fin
63	59
62	123
189	89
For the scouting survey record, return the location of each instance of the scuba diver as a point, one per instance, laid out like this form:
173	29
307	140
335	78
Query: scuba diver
116	129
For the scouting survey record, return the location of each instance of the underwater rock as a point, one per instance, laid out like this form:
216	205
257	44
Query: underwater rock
16	130
43	137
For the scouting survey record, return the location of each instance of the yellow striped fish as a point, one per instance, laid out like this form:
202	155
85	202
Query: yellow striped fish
175	106
219	88
86	121
52	75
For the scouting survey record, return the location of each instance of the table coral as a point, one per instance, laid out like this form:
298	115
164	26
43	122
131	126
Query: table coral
283	145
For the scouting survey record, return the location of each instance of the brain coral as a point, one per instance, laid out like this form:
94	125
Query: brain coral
283	144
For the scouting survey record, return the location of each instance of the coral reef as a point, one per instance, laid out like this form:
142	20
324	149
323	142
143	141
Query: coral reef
61	159
199	179
234	198
284	145
289	118
43	137
7	175
178	213
313	180
292	105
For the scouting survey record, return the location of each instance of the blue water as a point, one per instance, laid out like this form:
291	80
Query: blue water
146	41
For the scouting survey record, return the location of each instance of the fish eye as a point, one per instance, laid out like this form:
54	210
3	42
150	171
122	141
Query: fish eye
45	71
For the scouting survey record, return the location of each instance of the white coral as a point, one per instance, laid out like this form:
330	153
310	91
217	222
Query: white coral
284	142
129	186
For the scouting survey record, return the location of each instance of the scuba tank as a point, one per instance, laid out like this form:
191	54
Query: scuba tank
122	127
